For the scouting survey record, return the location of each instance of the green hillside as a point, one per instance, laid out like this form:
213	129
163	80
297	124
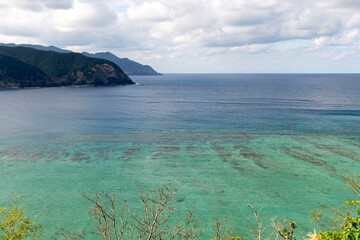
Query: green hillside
128	66
14	74
66	69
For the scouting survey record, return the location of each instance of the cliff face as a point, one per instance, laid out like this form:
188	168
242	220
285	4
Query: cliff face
99	75
65	69
104	73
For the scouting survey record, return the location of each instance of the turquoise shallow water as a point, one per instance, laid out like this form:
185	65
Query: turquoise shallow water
223	146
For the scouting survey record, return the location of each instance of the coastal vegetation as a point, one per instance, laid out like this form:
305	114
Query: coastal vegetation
161	218
15	73
38	68
129	66
15	225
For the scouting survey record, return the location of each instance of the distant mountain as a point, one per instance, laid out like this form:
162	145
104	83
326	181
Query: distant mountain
38	47
56	69
128	66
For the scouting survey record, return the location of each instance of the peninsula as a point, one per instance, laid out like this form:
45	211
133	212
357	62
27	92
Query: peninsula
27	67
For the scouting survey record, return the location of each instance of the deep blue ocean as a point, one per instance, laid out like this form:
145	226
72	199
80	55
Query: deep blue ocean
188	101
281	141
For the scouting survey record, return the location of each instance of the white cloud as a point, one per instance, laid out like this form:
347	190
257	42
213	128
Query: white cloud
149	11
342	39
37	5
253	48
175	29
90	15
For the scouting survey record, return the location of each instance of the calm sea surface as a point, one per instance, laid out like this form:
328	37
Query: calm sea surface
281	142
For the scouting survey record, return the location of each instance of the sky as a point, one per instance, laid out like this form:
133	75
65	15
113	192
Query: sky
197	36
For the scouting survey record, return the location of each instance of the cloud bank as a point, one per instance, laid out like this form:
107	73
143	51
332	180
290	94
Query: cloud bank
191	35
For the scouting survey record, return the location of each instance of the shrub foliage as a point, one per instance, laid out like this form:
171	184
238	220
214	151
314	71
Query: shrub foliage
15	225
162	219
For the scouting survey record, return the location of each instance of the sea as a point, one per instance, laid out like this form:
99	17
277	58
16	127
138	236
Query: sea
282	142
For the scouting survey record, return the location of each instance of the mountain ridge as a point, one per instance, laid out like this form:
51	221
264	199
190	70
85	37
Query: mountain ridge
129	66
60	69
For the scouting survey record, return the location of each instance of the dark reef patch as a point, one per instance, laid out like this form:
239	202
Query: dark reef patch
237	166
356	145
190	148
155	155
15	156
164	149
167	149
304	157
249	153
301	149
227	157
79	156
339	151
131	151
104	156
35	156
222	152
